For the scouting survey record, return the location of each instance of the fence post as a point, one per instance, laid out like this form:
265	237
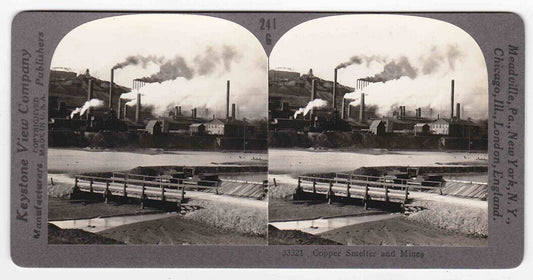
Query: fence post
406	194
330	191
386	193
91	185
106	192
162	193
76	182
182	193
348	189
440	188
365	199
125	186
217	185
142	196
275	184
314	186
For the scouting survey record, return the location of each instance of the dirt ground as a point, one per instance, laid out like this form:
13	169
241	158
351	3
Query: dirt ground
295	237
400	232
76	236
172	230
288	210
177	231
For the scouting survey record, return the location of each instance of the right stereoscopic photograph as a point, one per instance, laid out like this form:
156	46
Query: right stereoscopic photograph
378	134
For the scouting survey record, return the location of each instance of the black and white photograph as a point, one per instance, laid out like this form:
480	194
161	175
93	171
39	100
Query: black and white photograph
157	133
378	134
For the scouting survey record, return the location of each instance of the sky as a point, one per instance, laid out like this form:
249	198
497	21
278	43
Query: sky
201	42
436	52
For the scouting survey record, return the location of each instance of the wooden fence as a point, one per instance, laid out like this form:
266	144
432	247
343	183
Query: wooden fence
142	187
365	187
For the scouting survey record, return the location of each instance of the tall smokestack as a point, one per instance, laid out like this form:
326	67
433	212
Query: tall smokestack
138	108
89	96
111	89
118	107
227	99
451	114
313	96
343	108
193	113
334	88
233	111
362	108
458	111
124	114
313	90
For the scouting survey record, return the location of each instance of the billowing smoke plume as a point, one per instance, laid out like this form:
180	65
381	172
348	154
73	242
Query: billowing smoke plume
139	60
93	103
210	59
169	69
432	61
394	70
313	104
199	81
358	59
426	85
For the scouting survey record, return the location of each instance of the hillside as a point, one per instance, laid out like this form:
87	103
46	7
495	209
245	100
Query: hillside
297	91
71	88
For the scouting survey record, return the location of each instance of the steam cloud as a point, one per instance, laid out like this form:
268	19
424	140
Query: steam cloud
354	103
353	95
317	103
93	103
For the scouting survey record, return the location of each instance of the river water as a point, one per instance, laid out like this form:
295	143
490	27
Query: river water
321	225
298	162
101	224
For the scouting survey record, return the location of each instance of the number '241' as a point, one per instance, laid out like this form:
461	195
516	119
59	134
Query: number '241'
267	24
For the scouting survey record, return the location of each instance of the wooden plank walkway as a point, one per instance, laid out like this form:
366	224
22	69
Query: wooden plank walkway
468	189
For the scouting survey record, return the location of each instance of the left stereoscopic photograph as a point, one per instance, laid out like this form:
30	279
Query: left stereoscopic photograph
157	133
